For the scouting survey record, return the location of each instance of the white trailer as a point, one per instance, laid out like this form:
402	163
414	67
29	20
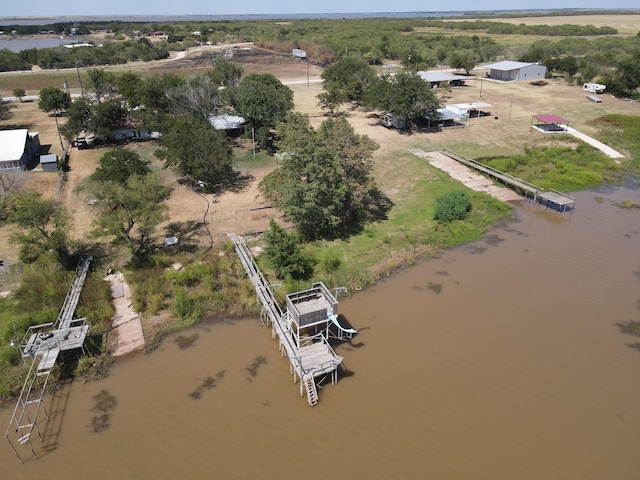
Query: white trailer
593	88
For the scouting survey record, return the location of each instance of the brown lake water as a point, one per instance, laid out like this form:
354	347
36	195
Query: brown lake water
499	360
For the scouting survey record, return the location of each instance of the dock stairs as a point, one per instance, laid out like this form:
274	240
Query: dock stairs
310	387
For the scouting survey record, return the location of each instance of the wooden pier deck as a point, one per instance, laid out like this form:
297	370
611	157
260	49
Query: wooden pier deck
548	197
307	361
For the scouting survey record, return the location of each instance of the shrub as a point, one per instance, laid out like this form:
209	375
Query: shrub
453	205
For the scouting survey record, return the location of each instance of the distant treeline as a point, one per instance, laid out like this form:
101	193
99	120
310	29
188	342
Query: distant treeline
57	28
325	40
501	28
112	53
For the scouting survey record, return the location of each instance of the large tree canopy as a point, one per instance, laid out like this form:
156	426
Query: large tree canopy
119	164
44	224
53	99
130	212
263	101
323	184
196	151
404	95
346	80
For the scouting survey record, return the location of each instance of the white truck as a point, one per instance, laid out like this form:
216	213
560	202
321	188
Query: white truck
593	88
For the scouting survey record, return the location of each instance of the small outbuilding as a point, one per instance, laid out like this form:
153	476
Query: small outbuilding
49	162
510	71
17	149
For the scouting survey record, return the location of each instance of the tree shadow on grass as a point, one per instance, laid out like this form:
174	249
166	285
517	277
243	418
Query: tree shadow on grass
235	182
187	233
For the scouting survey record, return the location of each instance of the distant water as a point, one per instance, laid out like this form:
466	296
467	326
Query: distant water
204	18
19	44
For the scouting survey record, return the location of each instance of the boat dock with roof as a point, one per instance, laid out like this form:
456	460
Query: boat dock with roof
304	330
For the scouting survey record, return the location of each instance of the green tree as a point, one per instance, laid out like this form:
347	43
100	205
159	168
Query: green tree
284	254
105	117
100	82
53	99
309	184
453	205
119	164
404	95
44	225
130	212
18	93
354	154
196	151
263	101
464	59
129	86
225	73
347	80
79	114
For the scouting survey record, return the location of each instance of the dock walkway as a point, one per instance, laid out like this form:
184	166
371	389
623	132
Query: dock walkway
562	201
307	361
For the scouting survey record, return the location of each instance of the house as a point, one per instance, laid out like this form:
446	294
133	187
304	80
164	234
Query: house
509	71
17	149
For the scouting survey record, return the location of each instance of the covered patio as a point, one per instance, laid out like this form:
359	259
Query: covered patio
550	123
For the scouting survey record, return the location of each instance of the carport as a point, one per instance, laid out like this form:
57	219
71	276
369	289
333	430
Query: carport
549	123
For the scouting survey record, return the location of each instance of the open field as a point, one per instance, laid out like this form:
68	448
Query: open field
629	24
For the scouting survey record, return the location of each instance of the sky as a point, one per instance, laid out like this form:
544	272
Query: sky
38	8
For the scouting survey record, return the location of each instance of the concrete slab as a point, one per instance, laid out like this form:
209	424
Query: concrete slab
468	177
126	330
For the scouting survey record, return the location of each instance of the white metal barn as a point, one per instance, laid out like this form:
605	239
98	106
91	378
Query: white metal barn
509	71
17	148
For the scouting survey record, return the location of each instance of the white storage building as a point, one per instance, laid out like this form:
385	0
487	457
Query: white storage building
509	71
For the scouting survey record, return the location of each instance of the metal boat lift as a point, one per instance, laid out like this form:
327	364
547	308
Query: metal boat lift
42	344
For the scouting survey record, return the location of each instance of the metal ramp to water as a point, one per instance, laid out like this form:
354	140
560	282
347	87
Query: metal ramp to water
307	361
42	344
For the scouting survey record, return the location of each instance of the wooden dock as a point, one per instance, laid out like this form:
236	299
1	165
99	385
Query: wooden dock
550	198
308	360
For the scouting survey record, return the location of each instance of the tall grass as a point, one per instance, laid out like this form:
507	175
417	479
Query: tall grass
559	167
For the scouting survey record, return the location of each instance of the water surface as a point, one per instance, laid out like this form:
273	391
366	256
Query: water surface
499	360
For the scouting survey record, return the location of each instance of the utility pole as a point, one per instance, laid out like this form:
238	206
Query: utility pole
79	79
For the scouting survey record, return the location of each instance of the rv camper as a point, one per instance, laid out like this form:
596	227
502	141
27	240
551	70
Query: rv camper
593	88
391	121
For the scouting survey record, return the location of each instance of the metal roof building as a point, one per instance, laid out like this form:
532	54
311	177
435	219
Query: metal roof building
226	122
17	148
435	77
510	71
